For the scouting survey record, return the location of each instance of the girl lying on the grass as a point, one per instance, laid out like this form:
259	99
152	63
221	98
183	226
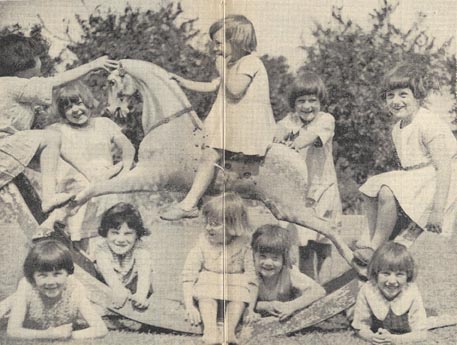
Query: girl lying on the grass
222	255
389	308
49	302
283	290
121	259
86	146
24	93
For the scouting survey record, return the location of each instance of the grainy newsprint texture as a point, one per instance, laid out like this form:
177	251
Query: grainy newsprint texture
166	137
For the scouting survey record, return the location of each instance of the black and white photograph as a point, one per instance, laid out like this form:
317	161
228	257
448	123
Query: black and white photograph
203	172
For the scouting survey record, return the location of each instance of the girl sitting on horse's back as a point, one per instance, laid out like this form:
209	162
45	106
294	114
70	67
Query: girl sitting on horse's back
241	119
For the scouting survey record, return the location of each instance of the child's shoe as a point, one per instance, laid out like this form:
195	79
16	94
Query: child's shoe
175	212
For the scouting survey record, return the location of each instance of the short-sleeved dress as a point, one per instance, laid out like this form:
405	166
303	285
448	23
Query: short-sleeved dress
404	314
127	269
20	100
87	148
414	186
291	285
65	311
322	181
205	268
248	125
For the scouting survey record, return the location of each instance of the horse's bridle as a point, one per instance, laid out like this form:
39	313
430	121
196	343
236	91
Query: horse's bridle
173	117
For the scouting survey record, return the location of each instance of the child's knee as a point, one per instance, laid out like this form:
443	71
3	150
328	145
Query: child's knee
210	156
385	195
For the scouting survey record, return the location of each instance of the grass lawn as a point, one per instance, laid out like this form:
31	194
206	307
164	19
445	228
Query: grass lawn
436	258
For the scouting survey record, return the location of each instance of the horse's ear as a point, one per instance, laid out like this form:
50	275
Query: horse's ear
121	70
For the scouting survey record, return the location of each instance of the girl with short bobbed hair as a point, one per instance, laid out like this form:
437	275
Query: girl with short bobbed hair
425	187
310	132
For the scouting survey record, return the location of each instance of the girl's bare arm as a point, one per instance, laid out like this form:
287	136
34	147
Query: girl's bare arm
97	327
101	63
197	85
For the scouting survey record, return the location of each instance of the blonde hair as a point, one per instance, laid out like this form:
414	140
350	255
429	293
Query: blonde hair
228	207
239	31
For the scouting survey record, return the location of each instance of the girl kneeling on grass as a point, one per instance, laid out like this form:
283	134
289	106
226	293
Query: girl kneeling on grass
220	258
389	308
283	290
121	259
49	301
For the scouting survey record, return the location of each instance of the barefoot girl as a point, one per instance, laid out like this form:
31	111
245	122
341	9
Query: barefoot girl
49	301
310	131
22	93
389	308
123	262
220	268
426	187
283	290
241	119
86	145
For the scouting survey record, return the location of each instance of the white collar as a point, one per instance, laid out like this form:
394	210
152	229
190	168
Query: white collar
380	306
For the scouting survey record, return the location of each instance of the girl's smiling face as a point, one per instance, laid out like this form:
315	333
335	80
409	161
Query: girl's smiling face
268	265
218	40
76	112
121	241
402	104
307	107
215	232
391	283
50	284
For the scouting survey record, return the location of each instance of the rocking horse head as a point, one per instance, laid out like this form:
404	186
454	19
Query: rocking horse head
121	86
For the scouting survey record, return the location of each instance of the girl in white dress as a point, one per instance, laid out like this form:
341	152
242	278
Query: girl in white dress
23	95
310	132
87	149
426	186
241	119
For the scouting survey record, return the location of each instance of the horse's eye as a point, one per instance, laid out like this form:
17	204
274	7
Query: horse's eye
111	82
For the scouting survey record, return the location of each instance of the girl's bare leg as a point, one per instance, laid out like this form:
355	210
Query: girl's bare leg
233	315
208	312
386	217
205	174
371	211
50	152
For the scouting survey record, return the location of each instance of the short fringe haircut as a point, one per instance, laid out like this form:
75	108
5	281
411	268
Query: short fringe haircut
121	213
47	256
273	239
229	208
392	256
239	31
309	83
406	75
18	53
70	94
